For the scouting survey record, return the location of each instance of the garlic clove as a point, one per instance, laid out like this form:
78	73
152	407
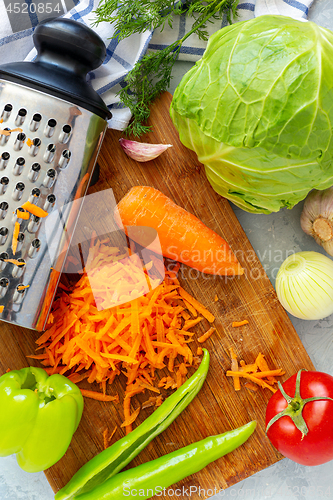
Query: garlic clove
142	151
317	218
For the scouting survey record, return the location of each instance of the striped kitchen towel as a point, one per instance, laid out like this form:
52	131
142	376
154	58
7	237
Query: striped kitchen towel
19	19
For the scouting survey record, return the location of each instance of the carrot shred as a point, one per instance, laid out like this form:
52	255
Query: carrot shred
197	305
239	323
33	209
152	401
234	367
1	309
263	366
207	334
107	438
127	414
22	287
98	395
22	215
16	232
258	381
250	372
15	262
135	337
129	421
251	387
8	132
269	373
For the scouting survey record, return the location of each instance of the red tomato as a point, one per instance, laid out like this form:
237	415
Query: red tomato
315	447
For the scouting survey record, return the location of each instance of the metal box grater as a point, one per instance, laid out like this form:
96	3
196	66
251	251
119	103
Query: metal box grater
48	160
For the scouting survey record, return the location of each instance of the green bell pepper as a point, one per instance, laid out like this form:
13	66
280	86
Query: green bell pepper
39	415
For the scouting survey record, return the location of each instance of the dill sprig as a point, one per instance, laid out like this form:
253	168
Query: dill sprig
152	73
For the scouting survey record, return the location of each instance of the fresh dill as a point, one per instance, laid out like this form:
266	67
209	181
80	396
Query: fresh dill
152	73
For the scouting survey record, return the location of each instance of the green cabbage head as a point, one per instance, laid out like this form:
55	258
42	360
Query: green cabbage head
258	111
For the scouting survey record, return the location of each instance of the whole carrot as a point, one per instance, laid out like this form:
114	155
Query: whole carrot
183	237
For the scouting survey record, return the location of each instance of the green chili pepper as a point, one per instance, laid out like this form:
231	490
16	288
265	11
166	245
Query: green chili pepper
110	461
38	416
149	479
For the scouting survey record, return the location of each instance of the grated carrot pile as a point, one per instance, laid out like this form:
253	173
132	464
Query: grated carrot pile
136	338
256	373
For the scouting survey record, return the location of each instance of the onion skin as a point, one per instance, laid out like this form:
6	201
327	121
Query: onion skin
304	285
317	218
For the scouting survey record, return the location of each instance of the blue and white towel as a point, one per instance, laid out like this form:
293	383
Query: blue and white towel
19	19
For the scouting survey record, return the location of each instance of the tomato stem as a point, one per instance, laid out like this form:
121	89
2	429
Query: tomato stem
295	407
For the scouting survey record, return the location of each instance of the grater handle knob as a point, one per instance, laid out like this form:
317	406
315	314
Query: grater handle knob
67	51
69	46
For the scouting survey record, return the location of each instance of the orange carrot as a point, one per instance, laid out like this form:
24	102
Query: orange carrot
33	209
16	232
239	323
183	237
1	309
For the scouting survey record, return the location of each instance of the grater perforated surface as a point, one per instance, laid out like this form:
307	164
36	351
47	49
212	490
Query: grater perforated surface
48	148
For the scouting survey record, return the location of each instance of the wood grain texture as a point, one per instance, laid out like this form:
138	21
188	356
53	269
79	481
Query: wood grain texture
217	408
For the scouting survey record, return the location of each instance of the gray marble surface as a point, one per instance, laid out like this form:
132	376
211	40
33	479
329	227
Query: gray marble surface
272	237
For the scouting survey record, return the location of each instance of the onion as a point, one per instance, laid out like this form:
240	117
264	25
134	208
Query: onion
304	285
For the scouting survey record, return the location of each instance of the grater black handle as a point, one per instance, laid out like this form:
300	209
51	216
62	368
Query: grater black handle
68	45
67	51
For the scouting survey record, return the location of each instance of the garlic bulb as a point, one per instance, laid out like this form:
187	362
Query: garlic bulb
142	151
317	217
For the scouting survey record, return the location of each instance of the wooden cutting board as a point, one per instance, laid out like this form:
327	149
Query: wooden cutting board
217	408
